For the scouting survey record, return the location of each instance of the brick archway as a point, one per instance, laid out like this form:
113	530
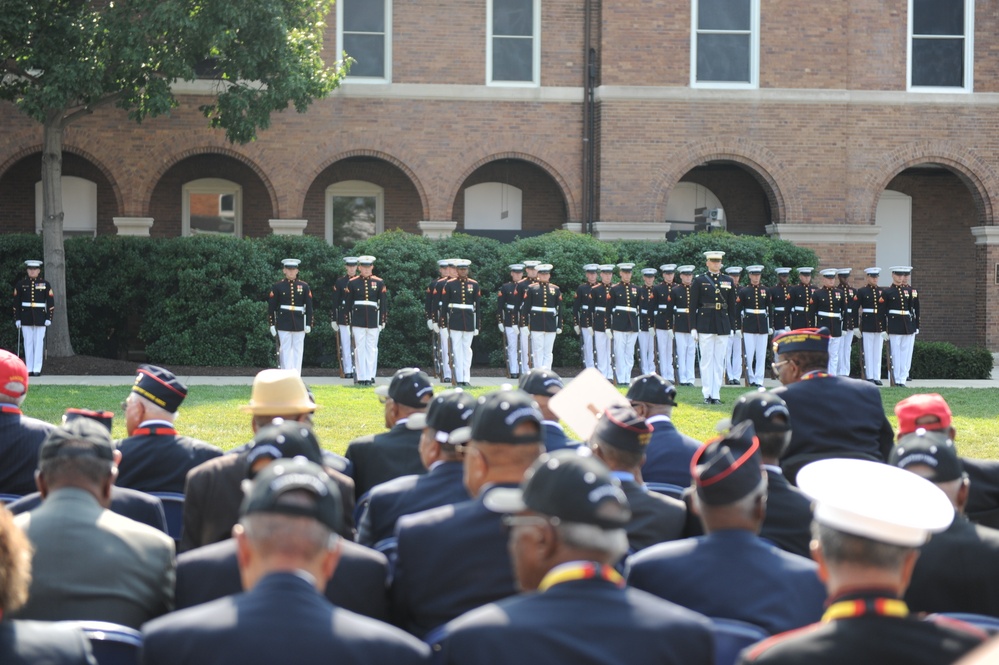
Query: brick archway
424	203
79	152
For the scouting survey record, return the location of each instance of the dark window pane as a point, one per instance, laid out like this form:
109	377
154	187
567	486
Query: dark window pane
723	58
368	51
363	15
938	62
354	218
938	17
723	15
512	59
513	17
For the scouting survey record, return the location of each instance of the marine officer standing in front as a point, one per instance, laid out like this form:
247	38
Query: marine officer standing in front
289	311
754	304
802	315
712	301
901	303
603	333
34	305
623	308
827	304
872	325
460	305
367	301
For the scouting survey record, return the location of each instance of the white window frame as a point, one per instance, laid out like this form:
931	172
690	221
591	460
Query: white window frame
350	78
212	186
969	53
351	188
535	53
82	192
754	50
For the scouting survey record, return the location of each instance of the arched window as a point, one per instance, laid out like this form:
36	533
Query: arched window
493	206
212	205
355	210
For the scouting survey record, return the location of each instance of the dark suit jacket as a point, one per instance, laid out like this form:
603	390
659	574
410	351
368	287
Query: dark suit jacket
983	494
450	560
359	583
42	642
555	438
733	574
406	495
213	493
283	619
384	456
582	621
160	462
20	439
133	504
667	459
655	518
818	432
788	521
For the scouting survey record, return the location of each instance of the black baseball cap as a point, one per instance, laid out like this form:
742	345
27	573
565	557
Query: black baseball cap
103	417
288	475
652	389
621	427
541	382
569	484
767	411
284	438
409	386
497	415
447	412
932	448
77	438
727	469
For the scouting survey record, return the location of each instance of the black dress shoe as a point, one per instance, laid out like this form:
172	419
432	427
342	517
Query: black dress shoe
877	382
716	401
900	385
515	375
348	375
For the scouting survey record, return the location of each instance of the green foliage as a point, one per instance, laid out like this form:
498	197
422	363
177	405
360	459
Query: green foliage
942	360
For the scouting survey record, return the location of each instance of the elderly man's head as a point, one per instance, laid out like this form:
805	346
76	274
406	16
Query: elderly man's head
729	481
409	392
798	352
156	395
279	393
78	454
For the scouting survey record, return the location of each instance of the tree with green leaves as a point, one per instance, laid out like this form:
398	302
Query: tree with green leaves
61	60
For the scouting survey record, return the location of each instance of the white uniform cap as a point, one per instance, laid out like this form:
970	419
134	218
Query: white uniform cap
844	271
873	271
667	267
365	260
351	260
591	267
754	269
829	272
463	263
782	271
714	255
649	271
544	267
443	263
806	270
33	263
901	269
628	267
875	500
606	267
515	267
685	269
291	263
733	270
531	264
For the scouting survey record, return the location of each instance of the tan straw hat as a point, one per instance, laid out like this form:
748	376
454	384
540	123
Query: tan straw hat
279	392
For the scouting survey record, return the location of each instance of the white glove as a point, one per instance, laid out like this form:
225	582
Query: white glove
335	326
381	326
738	333
857	333
273	331
884	336
770	331
502	329
558	331
436	327
917	329
475	334
308	329
430	324
610	334
693	335
18	324
49	323
576	328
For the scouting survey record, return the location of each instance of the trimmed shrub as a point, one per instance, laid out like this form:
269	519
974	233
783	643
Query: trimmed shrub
943	360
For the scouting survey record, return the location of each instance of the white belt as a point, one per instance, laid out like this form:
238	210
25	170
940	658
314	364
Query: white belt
754	311
460	306
663	306
511	307
868	310
544	309
681	310
778	309
645	311
32	304
294	308
830	315
626	309
902	312
798	309
600	309
584	307
369	303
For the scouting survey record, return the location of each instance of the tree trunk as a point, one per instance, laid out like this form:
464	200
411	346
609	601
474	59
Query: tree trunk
57	337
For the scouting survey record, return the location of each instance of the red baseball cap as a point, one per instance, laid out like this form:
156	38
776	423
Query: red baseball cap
13	375
912	408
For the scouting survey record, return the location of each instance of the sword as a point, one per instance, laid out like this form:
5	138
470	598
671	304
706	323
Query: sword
450	359
277	348
891	365
506	350
339	351
19	333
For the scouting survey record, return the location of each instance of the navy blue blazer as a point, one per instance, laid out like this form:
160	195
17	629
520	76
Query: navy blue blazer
359	583
379	458
282	619
582	621
450	560
386	503
788	520
733	574
34	642
20	439
160	462
555	438
133	504
655	518
667	458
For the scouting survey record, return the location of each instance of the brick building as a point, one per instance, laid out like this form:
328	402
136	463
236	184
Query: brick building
864	130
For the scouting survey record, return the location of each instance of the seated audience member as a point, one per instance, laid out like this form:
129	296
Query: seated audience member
567	528
732	573
213	492
667	459
440	486
619	440
381	457
870	520
957	569
454	558
287	551
542	385
20	436
859	429
30	642
154	458
89	562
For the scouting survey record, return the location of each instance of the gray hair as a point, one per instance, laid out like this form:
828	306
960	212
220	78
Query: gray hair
840	547
613	542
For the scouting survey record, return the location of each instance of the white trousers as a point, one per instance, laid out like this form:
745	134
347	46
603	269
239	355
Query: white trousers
587	335
873	348
365	352
346	357
834	345
292	349
624	355
525	356
646	352
713	359
686	349
735	357
664	339
603	346
845	347
756	356
461	345
445	342
34	347
512	347
542	344
901	355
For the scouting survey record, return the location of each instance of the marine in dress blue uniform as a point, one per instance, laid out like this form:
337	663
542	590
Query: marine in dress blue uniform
582	313
829	307
662	321
668	455
683	326
733	365
623	308
367	301
603	331
506	314
436	321
460	304
802	314
542	308
34	306
524	331
901	303
755	306
646	322
872	323
340	317
849	319
712	300
780	293
290	314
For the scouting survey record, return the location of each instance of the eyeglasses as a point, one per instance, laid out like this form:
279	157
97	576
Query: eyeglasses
776	366
511	521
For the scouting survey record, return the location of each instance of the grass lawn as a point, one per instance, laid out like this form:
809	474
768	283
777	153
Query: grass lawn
212	413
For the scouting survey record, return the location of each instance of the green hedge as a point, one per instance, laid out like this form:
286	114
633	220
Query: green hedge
943	360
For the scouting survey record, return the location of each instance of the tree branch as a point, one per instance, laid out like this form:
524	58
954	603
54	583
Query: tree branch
11	66
90	108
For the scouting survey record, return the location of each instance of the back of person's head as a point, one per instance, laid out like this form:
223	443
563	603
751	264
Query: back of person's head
80	454
651	394
15	564
932	454
620	438
279	393
840	547
13	378
806	348
771	421
730	486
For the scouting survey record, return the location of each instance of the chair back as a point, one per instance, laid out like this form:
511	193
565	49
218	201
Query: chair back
668	489
173	509
989	624
9	498
112	644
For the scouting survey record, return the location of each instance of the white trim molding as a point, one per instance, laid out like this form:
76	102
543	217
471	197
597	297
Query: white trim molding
437	230
288	227
825	233
630	230
575	227
985	235
133	226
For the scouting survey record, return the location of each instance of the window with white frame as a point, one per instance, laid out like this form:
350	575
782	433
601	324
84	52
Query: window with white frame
364	31
492	206
79	206
941	52
725	43
513	47
212	205
355	210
